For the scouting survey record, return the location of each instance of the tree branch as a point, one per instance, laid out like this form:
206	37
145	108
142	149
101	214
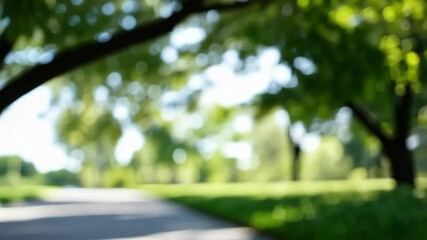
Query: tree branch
223	7
89	52
370	122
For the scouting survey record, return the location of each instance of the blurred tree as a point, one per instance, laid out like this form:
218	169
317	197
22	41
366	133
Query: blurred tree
61	178
161	150
14	167
366	55
327	162
120	177
277	157
94	131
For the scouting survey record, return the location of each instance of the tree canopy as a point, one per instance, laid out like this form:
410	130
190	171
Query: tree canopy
126	62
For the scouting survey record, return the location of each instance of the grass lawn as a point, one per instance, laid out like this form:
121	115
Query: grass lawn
329	210
20	193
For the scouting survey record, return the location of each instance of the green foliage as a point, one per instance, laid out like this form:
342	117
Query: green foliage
61	178
120	177
316	211
21	193
94	131
15	164
34	13
337	78
89	175
270	153
355	51
81	126
327	162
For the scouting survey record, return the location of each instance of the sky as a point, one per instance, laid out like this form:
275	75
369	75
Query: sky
26	130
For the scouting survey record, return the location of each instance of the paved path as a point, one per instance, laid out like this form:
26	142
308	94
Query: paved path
89	214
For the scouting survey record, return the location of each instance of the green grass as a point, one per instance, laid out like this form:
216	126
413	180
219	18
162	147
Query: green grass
10	194
322	210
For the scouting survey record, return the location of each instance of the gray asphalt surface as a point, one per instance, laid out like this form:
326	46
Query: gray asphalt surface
89	214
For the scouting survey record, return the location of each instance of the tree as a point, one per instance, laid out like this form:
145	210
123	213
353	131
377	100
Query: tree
277	157
159	150
14	167
61	178
94	132
362	55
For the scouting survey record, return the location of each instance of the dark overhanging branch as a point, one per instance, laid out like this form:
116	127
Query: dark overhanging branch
370	122
224	7
73	58
79	56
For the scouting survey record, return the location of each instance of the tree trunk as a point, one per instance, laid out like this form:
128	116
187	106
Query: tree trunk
204	171
100	165
401	162
174	169
394	146
397	151
296	163
296	153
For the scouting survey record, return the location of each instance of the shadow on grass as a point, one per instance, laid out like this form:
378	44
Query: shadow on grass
397	214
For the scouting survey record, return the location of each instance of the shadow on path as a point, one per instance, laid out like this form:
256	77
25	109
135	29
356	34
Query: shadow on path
87	214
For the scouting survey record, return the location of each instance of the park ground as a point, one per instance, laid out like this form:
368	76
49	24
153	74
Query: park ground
368	209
